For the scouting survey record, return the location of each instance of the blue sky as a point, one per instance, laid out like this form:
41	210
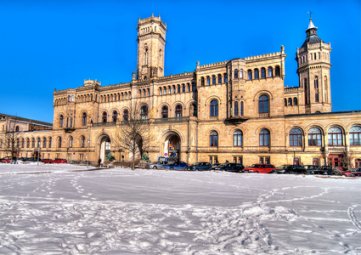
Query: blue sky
57	44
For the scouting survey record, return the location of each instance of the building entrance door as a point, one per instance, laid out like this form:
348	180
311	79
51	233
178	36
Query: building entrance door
172	147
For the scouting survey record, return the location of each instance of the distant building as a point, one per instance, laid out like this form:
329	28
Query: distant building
237	110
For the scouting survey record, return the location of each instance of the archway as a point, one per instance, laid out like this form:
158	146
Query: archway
172	147
104	152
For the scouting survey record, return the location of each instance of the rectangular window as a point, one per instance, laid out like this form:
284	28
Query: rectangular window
264	160
316	161
213	159
296	161
81	156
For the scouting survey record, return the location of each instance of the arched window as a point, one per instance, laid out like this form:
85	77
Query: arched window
326	88
38	142
241	73
355	135
144	112
82	141
214	108
237	138
285	100
219	78
295	101
256	73
22	142
264	138
178	111
242	108
214	80
296	137
115	116
270	72
174	91
125	115
44	142
179	88
290	101
194	111
263	73
84	119
213	139
105	117
50	142
208	81
183	88
236	73
70	145
263	104
27	143
317	90
236	110
189	87
315	137
160	91
225	78
61	120
165	90
277	71
165	112
17	129
202	81
249	72
335	136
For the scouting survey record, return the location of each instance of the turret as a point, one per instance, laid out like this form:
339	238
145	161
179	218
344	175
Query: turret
313	59
151	46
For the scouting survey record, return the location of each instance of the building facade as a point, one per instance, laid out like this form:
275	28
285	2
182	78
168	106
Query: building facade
237	110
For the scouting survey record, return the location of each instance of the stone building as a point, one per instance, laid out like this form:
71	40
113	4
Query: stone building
237	110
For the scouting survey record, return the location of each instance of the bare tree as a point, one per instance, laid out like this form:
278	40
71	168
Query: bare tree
133	134
12	140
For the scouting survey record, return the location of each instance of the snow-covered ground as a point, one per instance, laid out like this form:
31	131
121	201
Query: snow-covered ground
61	209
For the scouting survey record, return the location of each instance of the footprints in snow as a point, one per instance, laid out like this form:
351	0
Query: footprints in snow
80	190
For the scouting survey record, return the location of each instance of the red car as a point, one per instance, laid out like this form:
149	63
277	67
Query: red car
60	161
261	168
47	161
5	160
353	173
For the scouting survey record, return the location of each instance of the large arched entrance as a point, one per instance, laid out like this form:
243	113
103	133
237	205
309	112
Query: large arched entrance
172	147
104	152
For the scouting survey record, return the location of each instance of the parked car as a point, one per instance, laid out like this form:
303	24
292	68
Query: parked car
201	166
157	165
178	166
291	169
60	161
260	168
6	160
324	170
353	173
339	170
47	161
232	167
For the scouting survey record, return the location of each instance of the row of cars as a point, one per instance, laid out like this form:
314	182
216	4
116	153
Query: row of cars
8	160
258	168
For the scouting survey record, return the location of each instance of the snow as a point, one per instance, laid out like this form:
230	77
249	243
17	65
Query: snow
67	209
